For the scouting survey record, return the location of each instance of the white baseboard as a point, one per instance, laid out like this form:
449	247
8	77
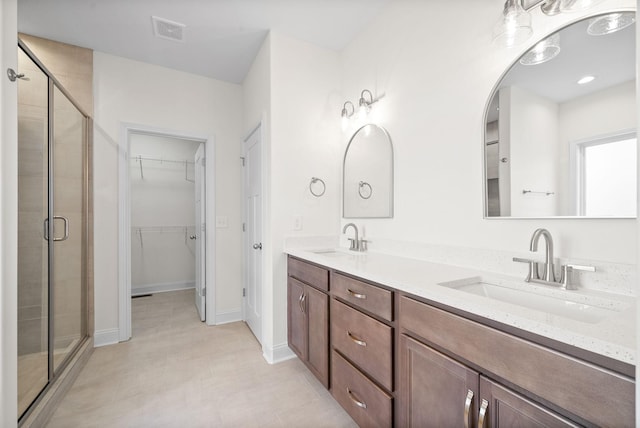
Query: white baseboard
278	353
106	337
159	288
229	317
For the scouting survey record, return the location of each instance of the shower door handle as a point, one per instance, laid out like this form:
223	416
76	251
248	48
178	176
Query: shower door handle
66	228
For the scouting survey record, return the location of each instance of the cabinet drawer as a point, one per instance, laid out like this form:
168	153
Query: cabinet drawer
374	299
365	402
364	340
311	274
590	392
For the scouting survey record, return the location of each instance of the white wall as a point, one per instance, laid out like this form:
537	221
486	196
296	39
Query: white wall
162	213
305	124
127	91
297	87
533	148
437	80
8	217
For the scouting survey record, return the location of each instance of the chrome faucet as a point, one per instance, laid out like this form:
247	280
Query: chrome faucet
357	244
549	273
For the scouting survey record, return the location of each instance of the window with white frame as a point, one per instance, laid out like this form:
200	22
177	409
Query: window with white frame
604	174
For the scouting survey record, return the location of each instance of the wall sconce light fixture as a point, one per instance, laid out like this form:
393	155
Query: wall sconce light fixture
554	7
364	105
514	26
364	108
347	113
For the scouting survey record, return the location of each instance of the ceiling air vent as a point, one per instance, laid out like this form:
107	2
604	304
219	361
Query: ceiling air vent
170	30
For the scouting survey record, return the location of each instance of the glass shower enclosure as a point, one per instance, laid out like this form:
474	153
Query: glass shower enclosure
53	142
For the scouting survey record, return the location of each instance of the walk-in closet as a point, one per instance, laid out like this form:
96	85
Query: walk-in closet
163	216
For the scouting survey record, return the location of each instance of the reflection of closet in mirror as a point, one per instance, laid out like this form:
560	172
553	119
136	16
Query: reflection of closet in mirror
492	147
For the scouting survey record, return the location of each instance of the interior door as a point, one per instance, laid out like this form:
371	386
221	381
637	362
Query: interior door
253	234
200	232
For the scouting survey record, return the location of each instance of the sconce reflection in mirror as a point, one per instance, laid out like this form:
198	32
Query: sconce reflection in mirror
364	190
320	189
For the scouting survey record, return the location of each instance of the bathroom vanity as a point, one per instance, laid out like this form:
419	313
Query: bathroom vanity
397	345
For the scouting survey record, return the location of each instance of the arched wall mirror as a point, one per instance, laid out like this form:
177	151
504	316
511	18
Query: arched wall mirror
368	174
560	126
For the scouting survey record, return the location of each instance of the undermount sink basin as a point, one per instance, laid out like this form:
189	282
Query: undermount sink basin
567	304
338	253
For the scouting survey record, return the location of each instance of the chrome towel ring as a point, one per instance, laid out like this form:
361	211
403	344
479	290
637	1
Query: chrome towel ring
317	193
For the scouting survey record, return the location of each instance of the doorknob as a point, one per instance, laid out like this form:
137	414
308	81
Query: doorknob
257	246
192	237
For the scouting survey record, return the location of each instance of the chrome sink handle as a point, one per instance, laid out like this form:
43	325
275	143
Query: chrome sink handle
567	270
533	268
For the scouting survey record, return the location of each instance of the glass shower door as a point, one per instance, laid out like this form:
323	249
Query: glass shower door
52	229
69	193
33	255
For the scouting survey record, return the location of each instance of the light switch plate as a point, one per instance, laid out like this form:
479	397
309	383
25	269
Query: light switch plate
297	222
221	222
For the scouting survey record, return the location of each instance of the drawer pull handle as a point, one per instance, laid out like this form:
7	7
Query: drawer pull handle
356	340
355	400
300	302
467	409
356	295
483	413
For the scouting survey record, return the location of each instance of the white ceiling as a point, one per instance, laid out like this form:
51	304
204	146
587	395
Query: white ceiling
222	37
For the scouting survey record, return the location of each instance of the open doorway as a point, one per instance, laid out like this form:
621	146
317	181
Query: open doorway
163	238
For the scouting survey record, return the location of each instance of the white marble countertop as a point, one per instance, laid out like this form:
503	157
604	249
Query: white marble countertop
613	337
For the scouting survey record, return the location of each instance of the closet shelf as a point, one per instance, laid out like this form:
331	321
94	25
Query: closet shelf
141	230
141	159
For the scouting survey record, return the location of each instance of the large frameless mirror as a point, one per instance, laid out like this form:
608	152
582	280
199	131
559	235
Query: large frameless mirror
368	174
560	136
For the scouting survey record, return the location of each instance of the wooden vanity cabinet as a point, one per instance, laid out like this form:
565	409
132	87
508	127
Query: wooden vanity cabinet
437	391
362	336
308	316
553	389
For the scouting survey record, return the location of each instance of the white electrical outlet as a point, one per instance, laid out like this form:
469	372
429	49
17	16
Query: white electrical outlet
221	222
297	223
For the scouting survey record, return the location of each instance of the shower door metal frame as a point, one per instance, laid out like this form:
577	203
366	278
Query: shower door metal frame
86	324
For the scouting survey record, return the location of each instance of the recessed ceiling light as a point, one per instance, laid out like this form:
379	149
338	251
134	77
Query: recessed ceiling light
586	79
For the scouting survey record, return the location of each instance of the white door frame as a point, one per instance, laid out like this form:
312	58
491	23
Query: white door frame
124	229
246	247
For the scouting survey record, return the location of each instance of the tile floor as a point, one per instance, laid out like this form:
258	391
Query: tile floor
177	372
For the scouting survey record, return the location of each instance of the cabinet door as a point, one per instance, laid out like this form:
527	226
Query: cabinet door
296	319
435	391
506	408
316	306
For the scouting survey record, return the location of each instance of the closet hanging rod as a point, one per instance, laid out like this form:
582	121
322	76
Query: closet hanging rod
162	229
144	158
